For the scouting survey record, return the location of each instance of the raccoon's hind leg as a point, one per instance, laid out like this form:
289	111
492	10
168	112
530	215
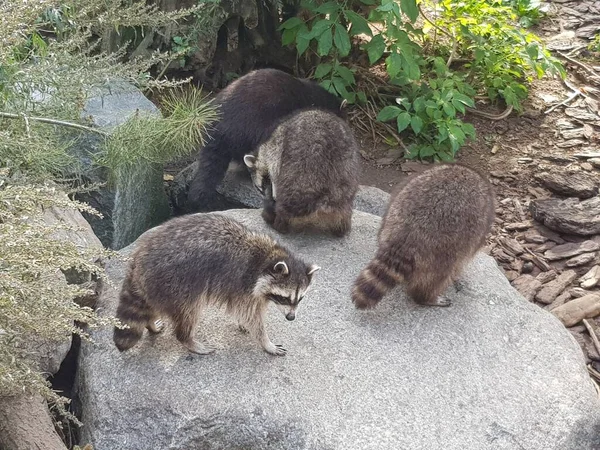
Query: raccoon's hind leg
375	280
133	311
427	288
341	222
185	329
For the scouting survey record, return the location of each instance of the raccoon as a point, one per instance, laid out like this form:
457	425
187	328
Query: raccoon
308	173
250	109
434	225
194	261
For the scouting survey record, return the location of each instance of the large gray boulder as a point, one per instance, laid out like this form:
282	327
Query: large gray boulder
237	192
491	372
138	200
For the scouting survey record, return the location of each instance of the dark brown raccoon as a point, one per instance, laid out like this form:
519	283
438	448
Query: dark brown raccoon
308	173
434	226
191	262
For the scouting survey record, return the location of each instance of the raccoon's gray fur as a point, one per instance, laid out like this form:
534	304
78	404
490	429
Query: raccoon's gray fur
434	225
186	264
308	173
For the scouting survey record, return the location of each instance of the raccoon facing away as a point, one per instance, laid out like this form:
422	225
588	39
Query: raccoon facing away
434	225
250	109
308	173
191	262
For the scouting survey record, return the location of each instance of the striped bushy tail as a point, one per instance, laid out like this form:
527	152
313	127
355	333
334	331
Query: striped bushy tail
132	311
373	283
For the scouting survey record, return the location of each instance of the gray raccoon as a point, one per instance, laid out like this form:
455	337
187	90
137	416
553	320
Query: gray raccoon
308	173
193	261
434	225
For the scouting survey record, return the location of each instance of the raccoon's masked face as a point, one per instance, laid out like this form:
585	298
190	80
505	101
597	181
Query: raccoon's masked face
259	174
286	284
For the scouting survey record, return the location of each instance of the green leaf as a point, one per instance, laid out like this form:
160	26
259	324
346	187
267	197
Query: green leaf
416	123
302	39
362	98
426	151
419	104
375	48
325	44
328	8
319	27
409	7
403	120
341	39
445	157
345	73
367	2
388	113
449	110
288	36
178	40
291	23
328	85
458	105
457	132
393	64
322	70
359	23
469	129
411	67
464	99
340	86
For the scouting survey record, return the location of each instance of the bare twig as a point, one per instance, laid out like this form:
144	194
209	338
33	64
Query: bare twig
27	128
55	122
501	116
569	99
592	335
580	64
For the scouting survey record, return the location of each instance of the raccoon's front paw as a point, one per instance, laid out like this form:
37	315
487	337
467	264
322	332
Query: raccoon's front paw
274	349
268	215
281	225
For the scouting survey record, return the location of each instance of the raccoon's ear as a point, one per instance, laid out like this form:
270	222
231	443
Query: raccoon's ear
281	267
312	269
250	161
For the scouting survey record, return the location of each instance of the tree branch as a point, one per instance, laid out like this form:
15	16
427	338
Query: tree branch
53	122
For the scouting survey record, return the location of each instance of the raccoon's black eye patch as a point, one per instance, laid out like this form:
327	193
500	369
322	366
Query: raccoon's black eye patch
280	299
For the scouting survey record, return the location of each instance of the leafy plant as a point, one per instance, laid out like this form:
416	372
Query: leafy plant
528	11
594	46
427	93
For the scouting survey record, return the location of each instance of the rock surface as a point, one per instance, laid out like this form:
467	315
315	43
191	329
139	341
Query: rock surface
579	184
492	371
139	201
569	216
237	191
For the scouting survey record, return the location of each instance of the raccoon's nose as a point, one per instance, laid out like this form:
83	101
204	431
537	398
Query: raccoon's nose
290	316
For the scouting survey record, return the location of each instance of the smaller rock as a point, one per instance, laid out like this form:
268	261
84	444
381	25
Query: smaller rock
587	167
570	143
527	267
547	246
550	291
560	300
511	275
501	256
578	292
595	162
575	311
581	260
545	277
511	245
534	237
527	286
571	249
568	216
518	226
591	278
578	184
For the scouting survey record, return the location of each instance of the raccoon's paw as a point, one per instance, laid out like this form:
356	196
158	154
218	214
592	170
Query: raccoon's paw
158	326
441	301
198	348
274	349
